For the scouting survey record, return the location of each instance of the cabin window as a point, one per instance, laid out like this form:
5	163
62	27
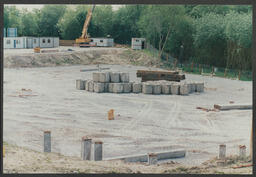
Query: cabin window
34	41
18	41
8	41
137	40
101	40
43	40
49	40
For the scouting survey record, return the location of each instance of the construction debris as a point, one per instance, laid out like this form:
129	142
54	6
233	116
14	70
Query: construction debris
147	75
207	110
230	107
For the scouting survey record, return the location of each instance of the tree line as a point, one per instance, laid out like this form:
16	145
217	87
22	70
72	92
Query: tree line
218	35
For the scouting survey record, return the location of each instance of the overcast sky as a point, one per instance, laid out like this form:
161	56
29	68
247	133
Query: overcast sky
33	6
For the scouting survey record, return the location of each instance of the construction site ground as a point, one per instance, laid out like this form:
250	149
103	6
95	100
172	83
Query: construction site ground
40	98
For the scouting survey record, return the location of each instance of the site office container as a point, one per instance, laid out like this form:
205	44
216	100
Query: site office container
102	42
48	42
138	43
12	32
15	43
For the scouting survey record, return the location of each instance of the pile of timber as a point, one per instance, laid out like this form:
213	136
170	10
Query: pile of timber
230	107
147	75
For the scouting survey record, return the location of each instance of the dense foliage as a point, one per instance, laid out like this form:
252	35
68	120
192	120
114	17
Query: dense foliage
218	35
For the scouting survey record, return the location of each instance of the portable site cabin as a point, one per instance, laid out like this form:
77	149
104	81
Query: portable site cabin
12	32
138	43
15	42
30	42
102	42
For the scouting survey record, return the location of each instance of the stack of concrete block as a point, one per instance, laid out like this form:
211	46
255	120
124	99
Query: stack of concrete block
118	82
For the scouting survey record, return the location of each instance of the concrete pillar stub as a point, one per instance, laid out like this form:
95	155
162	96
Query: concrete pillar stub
47	141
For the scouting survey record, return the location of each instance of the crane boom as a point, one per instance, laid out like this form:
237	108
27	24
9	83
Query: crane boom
84	38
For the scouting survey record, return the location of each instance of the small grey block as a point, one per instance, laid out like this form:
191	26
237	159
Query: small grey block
124	77
175	89
147	88
98	87
118	88
136	87
157	89
114	77
184	89
127	87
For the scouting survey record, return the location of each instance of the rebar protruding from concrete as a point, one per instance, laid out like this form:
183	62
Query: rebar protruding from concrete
152	158
47	141
222	151
97	150
242	152
86	148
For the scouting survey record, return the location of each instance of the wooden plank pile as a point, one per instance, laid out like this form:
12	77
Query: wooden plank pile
147	75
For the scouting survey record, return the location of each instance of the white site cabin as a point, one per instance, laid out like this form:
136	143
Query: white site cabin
30	42
102	42
138	43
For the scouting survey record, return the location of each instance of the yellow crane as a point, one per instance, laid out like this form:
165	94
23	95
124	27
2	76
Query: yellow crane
84	40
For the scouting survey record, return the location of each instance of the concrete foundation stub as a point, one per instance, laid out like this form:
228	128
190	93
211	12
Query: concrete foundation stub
242	152
222	151
118	88
86	148
106	87
110	87
152	159
114	77
199	87
98	151
91	86
124	77
127	87
184	89
104	77
47	141
175	89
96	76
166	88
80	84
147	88
136	87
98	87
157	89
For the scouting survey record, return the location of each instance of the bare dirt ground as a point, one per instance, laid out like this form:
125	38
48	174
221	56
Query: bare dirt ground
102	55
45	98
23	160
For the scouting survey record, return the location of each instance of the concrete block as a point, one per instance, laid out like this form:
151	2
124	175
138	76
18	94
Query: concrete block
104	77
98	87
110	87
124	77
86	148
242	152
157	89
96	76
87	85
106	87
118	88
114	77
152	159
136	87
175	89
80	84
166	88
47	141
98	151
91	87
184	89
147	88
192	86
127	87
222	151
199	87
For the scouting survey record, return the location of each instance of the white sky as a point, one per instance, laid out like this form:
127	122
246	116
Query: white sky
34	6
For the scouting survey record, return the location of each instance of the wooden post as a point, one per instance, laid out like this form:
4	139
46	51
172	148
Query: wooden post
200	69
239	74
192	65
